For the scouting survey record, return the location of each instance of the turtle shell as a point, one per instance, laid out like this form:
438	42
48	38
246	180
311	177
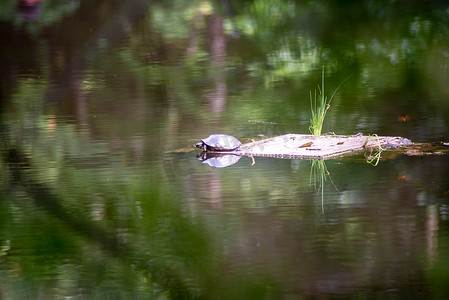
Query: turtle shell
221	142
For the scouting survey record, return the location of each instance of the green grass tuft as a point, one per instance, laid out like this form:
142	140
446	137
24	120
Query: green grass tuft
319	105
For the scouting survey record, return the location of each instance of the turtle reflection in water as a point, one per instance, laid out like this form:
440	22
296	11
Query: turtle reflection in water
219	142
218	160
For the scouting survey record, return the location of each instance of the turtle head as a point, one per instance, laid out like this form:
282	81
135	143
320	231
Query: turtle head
200	145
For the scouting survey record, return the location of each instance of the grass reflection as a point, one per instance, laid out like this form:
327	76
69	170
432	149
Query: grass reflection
318	174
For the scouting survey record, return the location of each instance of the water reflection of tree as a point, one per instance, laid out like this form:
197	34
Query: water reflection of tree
217	40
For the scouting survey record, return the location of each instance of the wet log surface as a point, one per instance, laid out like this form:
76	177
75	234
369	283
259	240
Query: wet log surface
302	146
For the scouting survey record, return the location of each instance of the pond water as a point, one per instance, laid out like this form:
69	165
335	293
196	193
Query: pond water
102	195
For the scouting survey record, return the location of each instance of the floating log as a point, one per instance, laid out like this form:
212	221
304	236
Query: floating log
303	146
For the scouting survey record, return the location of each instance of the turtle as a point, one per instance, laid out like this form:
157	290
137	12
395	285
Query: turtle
219	142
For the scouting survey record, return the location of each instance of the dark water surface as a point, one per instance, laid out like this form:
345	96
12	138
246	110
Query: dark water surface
100	200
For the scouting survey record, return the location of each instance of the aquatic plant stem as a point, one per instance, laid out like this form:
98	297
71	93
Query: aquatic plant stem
374	157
